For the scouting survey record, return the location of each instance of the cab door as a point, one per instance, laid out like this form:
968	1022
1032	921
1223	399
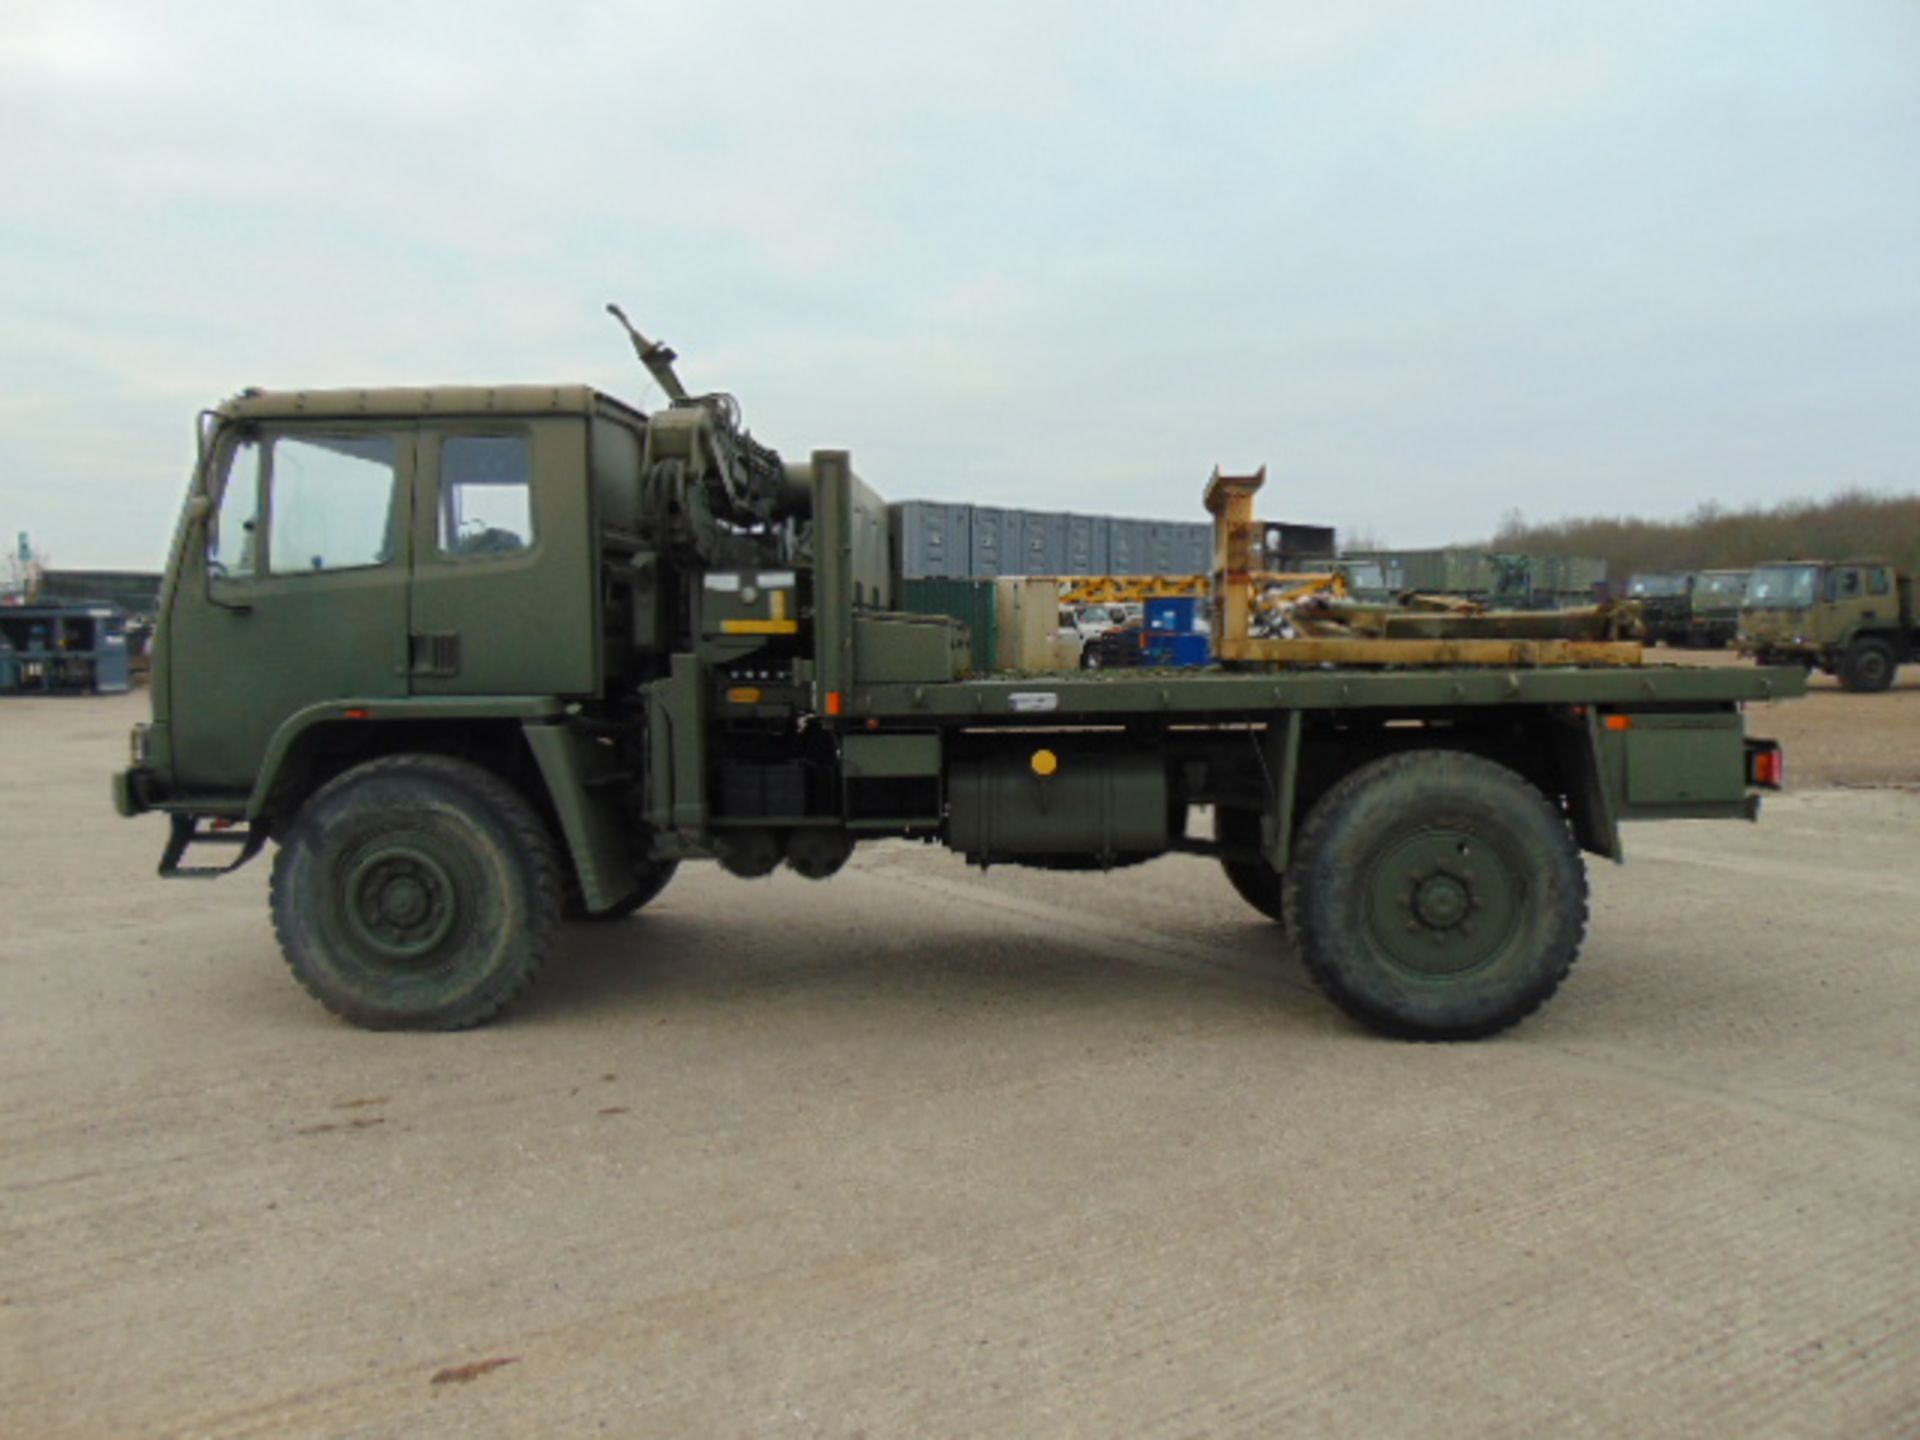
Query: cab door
1844	596
504	580
298	595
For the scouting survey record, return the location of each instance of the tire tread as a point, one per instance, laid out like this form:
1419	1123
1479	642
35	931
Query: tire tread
1310	925
533	844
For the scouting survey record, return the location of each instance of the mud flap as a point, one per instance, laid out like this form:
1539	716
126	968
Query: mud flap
582	782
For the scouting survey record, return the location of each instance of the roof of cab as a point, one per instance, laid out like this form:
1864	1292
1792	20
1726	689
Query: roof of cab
417	400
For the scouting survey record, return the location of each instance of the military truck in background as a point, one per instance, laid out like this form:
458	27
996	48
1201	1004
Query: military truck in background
1370	581
475	659
1665	601
1713	618
1853	619
1692	609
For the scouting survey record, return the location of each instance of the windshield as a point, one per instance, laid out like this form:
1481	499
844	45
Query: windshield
1645	586
1781	587
1721	587
1365	574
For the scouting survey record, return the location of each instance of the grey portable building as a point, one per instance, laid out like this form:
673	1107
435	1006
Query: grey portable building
932	540
996	545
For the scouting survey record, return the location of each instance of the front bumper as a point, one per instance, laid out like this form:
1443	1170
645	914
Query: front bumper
133	791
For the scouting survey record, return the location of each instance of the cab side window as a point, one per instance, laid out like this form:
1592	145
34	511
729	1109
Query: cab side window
1843	584
331	502
1877	582
486	503
233	540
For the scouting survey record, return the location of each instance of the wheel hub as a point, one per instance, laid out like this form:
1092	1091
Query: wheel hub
1442	903
400	902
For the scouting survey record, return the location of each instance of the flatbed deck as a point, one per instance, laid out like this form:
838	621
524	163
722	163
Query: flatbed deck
1223	693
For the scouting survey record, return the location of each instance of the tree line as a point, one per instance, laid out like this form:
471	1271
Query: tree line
1851	523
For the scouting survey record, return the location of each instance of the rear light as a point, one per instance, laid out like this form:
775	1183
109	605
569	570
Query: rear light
1766	765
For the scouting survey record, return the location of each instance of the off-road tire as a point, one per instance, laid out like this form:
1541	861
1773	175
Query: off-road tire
653	879
1435	895
1254	881
416	892
1868	667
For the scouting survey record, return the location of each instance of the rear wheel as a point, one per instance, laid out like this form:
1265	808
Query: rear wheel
416	892
1255	881
1437	896
1868	666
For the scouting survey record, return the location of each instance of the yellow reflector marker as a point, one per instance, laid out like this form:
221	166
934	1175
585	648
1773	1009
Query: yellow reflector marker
778	624
743	695
1045	762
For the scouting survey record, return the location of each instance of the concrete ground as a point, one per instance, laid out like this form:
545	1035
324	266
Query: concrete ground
920	1152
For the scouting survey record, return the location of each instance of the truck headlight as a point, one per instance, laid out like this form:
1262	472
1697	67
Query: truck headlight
138	747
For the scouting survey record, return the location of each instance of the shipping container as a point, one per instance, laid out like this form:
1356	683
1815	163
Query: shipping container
932	539
995	541
1087	545
1447	571
1027	617
1193	550
969	601
1583	572
1043	542
1153	555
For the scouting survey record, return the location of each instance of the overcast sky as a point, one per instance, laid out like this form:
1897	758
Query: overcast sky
1428	263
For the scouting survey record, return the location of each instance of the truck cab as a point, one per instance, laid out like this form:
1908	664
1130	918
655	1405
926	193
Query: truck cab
1715	613
377	546
1851	618
1665	601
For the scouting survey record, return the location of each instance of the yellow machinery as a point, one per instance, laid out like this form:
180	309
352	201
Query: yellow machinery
1258	619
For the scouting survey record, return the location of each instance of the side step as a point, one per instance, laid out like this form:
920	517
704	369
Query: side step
186	831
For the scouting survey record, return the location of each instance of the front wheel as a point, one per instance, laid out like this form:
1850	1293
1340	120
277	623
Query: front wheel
1437	896
416	892
1868	666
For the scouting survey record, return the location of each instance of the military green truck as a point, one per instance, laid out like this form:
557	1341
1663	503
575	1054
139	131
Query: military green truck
1850	618
477	659
1693	609
1665	601
1713	611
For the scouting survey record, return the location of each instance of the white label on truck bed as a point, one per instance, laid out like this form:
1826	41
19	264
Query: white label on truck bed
1033	700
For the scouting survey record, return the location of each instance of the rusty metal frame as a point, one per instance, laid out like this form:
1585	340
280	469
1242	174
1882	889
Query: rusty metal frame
1237	578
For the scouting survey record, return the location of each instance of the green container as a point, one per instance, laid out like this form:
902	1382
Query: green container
969	601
